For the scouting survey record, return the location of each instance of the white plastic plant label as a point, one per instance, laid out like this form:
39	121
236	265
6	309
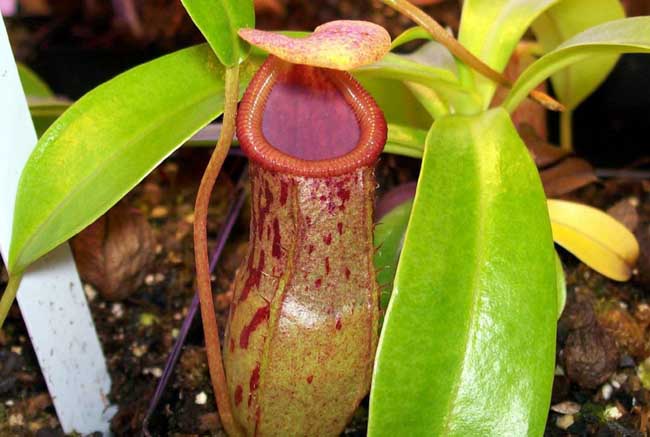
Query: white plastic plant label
51	297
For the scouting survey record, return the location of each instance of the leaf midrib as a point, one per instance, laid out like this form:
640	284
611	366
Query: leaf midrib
475	281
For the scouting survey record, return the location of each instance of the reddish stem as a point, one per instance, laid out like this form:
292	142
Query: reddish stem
210	328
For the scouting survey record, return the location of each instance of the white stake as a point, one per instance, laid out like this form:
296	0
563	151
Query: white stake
50	297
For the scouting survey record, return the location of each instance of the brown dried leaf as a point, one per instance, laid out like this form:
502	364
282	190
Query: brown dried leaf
567	176
625	330
625	211
270	6
543	152
115	252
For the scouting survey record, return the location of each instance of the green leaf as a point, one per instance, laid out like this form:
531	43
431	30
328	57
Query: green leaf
468	342
45	110
629	35
107	142
561	22
561	285
441	80
491	29
33	85
396	101
219	21
405	140
389	235
411	34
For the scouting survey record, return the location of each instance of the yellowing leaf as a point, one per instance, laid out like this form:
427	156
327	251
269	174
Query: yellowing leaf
342	44
594	237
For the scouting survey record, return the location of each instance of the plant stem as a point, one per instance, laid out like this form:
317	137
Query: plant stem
460	52
9	295
210	328
566	130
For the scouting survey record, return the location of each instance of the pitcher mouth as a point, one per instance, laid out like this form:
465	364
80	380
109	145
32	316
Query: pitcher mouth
309	121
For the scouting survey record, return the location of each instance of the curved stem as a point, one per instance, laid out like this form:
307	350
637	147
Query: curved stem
459	51
210	328
566	130
9	295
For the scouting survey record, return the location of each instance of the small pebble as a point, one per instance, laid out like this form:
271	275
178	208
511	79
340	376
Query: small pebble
175	333
117	309
18	350
147	319
612	413
139	350
159	212
158	278
566	407
606	391
564	422
90	291
16	420
559	371
9	403
149	279
201	398
618	379
156	372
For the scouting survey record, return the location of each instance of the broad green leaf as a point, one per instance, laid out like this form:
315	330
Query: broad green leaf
491	29
396	101
561	285
595	237
405	141
468	342
429	99
564	20
441	80
32	84
435	55
219	21
107	142
389	235
410	34
629	35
